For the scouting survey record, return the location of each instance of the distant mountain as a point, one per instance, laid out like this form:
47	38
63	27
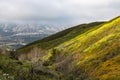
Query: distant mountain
84	52
17	35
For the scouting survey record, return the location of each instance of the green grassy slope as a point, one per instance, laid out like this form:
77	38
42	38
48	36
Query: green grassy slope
96	48
60	37
85	52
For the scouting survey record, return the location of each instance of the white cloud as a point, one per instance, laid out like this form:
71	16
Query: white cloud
59	11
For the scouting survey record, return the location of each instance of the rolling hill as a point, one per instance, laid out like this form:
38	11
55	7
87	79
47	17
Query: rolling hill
84	52
87	51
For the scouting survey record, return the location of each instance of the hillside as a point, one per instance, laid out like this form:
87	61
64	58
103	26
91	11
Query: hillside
60	37
85	52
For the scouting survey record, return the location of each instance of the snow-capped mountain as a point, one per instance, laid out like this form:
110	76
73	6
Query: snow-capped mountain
22	34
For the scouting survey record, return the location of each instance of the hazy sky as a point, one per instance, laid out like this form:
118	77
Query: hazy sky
58	11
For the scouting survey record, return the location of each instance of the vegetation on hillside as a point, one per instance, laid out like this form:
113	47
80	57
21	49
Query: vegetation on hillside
85	52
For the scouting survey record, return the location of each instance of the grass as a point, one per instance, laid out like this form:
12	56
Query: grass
85	52
60	37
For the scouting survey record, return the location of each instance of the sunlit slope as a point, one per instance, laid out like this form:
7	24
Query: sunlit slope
86	52
60	37
101	60
90	37
96	53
